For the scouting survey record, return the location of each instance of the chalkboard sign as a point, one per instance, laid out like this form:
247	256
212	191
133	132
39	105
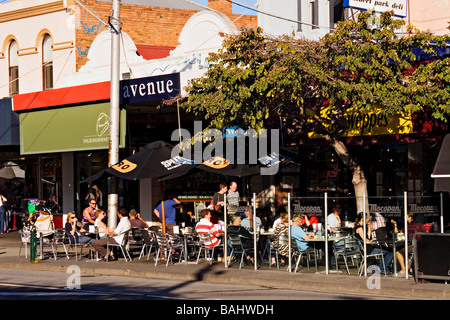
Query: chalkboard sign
432	256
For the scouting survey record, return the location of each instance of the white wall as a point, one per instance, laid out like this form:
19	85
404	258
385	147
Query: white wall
28	33
289	9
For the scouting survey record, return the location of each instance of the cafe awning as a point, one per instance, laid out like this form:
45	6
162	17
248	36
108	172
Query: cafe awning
441	172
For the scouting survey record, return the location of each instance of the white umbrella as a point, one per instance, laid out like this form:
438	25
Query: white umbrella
11	170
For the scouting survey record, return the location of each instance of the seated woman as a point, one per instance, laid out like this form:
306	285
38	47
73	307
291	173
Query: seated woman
73	231
281	228
101	227
359	234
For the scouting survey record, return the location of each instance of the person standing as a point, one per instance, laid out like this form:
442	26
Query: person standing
98	196
170	205
233	195
89	215
2	213
218	200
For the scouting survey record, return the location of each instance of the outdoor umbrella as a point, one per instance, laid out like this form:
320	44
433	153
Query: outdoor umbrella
155	160
441	172
11	170
232	158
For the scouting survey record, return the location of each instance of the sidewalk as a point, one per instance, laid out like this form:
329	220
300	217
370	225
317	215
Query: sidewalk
387	286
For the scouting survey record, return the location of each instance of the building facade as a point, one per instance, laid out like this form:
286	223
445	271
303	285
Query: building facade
55	73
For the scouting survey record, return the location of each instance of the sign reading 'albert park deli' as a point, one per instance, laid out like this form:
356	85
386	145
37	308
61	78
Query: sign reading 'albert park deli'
398	6
155	88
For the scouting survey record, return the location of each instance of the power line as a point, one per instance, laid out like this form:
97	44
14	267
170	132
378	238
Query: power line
276	16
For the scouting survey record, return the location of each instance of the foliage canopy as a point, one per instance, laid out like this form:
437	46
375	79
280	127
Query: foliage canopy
360	65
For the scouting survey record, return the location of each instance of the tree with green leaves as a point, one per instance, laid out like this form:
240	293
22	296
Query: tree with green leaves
313	85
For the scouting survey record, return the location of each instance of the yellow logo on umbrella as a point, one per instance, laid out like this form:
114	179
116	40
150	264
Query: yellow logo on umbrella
124	166
217	163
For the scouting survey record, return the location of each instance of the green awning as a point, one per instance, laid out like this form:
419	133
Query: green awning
77	128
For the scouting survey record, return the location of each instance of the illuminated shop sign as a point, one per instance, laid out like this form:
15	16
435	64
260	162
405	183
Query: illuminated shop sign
398	6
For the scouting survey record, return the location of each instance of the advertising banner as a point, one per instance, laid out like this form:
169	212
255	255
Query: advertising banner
76	128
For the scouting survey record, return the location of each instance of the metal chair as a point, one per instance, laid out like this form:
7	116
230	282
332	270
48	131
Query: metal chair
122	246
301	254
57	238
347	248
163	245
135	239
205	242
175	243
149	240
71	241
377	256
237	248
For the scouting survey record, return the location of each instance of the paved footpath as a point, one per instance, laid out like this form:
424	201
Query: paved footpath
380	286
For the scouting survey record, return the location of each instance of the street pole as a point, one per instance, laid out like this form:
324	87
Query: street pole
114	112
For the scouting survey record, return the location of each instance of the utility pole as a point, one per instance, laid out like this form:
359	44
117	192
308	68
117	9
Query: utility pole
114	111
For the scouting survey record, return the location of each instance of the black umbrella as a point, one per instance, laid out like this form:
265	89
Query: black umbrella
155	160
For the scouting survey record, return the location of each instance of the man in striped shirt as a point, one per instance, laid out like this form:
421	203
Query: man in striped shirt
204	226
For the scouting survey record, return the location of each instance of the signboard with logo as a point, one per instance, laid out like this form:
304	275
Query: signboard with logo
364	123
68	129
398	6
150	89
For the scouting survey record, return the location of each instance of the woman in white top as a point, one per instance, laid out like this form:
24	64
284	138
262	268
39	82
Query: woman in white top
102	228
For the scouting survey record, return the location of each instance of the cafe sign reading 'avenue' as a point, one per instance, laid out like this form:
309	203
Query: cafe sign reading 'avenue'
150	89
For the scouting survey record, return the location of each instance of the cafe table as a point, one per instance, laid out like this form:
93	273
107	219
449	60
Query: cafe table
397	240
323	239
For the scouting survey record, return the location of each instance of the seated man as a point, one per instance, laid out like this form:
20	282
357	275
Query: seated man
117	235
247	222
204	226
298	234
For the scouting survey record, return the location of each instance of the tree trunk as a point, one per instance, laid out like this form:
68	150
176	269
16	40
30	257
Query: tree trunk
359	180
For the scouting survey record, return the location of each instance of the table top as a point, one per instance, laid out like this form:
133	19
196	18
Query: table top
330	238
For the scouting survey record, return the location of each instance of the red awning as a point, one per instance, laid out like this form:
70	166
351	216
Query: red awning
62	96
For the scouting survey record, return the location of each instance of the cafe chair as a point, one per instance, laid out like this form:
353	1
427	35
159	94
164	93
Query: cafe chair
303	254
122	246
175	243
238	250
377	256
163	246
135	239
56	239
205	246
148	241
25	240
346	248
72	244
